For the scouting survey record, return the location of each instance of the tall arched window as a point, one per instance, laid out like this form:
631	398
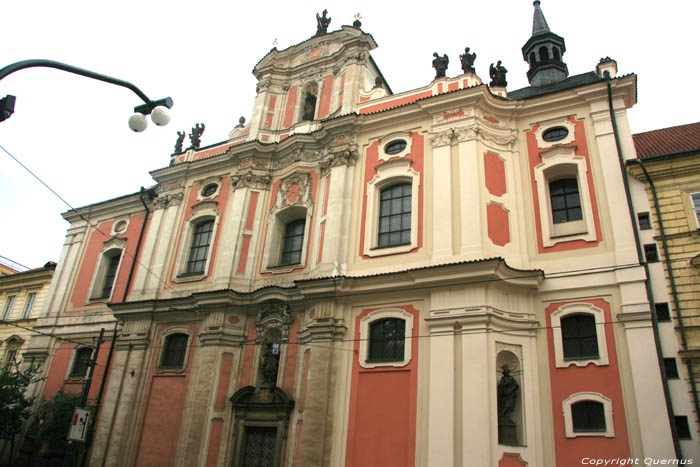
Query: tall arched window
199	248
174	350
566	203
293	242
395	215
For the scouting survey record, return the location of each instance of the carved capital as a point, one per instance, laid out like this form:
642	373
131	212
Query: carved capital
345	157
165	200
442	138
465	133
251	180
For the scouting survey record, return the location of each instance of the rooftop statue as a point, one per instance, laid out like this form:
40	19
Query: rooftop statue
467	60
498	75
440	65
178	143
322	23
196	135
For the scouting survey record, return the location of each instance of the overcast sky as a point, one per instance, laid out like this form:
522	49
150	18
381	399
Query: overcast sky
72	131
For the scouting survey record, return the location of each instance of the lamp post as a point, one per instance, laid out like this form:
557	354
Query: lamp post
137	122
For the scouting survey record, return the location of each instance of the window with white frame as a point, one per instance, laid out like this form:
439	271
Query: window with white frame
197	244
174	349
588	414
392	209
31	297
8	307
566	210
106	274
578	330
383	338
695	202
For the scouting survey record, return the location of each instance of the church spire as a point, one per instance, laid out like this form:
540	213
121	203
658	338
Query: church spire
544	51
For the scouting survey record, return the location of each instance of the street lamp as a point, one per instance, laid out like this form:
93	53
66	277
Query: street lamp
158	109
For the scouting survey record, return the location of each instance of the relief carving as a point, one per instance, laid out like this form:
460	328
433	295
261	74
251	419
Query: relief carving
251	180
168	199
294	190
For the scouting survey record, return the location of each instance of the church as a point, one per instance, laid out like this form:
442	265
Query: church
446	276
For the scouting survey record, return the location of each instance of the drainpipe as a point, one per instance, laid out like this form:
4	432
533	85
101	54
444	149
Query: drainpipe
674	291
647	283
151	195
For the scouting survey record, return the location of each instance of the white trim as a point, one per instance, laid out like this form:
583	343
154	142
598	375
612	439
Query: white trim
277	223
159	357
386	140
696	208
389	173
113	247
548	125
579	308
587	396
558	163
202	212
364	336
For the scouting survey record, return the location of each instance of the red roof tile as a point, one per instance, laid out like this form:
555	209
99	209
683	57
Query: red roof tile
667	140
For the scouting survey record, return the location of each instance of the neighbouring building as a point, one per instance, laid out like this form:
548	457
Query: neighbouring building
667	177
444	276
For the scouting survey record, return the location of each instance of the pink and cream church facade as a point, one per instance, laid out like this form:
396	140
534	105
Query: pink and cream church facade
441	277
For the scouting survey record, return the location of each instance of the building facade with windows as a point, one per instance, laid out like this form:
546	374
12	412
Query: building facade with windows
666	175
443	276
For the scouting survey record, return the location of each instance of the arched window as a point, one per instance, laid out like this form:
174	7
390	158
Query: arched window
544	53
293	242
579	338
386	340
106	274
81	362
555	53
395	216
565	200
588	417
533	59
174	350
201	239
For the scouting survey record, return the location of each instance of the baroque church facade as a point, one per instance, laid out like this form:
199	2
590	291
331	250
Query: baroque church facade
440	277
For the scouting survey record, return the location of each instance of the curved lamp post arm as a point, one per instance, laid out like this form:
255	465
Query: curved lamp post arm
144	108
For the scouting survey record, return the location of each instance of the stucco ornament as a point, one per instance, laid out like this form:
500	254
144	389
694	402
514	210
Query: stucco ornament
168	199
294	190
251	180
273	314
442	138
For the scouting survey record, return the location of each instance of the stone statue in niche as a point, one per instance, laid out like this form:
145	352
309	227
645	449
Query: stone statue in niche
322	23
178	143
498	75
440	64
269	363
196	136
467	60
309	103
508	391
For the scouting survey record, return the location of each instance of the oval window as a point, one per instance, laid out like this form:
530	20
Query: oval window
555	134
209	189
395	147
120	226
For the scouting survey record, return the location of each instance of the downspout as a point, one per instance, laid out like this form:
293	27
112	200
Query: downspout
674	292
647	283
151	195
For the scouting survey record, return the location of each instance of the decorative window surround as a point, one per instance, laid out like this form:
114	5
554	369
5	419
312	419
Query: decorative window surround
113	247
390	173
579	308
201	212
81	355
162	347
695	205
566	404
364	337
388	139
545	126
558	163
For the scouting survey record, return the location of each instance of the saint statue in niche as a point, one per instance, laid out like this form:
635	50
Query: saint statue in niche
269	363
508	391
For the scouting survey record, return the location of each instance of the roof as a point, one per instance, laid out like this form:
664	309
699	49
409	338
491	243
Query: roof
571	82
676	139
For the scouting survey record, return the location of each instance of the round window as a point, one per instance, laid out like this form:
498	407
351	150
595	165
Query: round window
395	147
120	226
209	189
555	134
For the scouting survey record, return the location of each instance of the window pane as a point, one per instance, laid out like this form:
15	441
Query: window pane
174	350
386	340
579	338
81	362
200	247
293	242
30	304
588	416
395	215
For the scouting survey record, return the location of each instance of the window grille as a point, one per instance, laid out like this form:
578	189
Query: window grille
579	338
293	242
259	449
588	416
565	200
174	351
386	340
395	216
200	247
